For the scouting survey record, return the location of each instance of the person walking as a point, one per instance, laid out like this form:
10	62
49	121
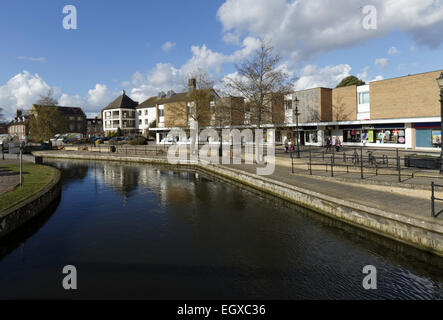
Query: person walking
337	144
328	144
286	145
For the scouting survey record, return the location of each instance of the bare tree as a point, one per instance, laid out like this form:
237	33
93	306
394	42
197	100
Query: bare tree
261	82
47	100
339	112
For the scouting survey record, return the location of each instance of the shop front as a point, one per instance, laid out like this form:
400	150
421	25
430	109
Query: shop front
427	135
377	135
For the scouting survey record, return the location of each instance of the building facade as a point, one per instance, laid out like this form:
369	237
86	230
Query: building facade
95	127
74	117
120	114
401	112
19	126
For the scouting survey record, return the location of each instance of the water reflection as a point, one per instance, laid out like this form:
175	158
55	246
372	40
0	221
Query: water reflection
138	231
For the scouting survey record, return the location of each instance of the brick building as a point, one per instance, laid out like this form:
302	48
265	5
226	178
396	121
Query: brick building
74	117
19	126
402	112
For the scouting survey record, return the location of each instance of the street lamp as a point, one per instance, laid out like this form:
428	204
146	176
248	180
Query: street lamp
296	101
440	84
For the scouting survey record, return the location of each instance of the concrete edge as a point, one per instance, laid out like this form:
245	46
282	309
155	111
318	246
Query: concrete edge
418	233
16	216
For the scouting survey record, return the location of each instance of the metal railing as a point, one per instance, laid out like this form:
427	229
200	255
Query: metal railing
360	159
433	199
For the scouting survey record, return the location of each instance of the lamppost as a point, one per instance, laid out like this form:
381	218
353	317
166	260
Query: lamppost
296	101
440	84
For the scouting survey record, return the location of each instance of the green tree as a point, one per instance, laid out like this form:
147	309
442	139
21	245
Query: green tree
45	123
351	81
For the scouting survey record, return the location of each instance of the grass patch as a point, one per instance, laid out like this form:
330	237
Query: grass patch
35	178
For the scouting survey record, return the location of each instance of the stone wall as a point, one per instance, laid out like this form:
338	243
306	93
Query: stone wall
13	218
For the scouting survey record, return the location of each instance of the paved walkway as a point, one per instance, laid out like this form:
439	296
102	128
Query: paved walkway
372	197
8	180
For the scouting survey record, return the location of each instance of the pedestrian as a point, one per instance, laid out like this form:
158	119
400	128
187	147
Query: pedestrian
337	143
328	144
286	145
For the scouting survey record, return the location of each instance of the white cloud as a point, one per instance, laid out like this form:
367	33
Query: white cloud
382	63
165	76
304	28
393	51
167	46
24	89
39	59
329	76
377	78
21	91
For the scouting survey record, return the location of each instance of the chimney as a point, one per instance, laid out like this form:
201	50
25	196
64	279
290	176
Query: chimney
19	113
192	85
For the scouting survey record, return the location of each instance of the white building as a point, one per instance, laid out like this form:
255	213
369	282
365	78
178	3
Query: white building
120	113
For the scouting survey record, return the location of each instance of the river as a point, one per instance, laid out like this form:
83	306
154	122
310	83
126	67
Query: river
144	232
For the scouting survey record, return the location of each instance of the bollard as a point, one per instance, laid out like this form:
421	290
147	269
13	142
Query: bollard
361	163
398	169
310	161
432	200
292	162
332	166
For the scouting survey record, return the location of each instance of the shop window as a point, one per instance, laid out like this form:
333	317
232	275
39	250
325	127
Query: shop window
436	138
311	137
396	136
352	136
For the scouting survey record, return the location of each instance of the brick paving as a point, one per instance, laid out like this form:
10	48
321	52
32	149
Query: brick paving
8	180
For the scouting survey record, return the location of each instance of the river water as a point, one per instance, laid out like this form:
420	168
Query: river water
139	231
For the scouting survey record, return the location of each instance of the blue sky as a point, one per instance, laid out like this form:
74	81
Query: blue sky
121	44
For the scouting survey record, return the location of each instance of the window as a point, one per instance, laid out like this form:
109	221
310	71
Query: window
311	137
191	108
363	98
352	135
146	112
139	112
140	121
390	136
288	105
161	112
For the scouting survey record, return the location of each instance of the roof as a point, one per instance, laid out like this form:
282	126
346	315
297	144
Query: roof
122	101
177	97
69	111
